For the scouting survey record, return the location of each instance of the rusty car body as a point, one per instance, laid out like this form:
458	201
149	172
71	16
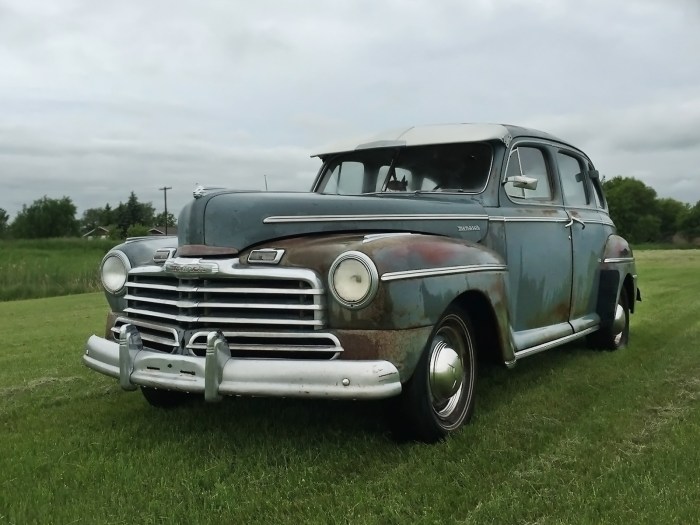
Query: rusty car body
414	255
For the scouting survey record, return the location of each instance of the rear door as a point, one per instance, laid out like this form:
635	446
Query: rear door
587	233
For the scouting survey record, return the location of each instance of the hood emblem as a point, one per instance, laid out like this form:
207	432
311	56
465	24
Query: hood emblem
265	256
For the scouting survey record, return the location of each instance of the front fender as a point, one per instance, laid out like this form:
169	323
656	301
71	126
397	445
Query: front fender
419	277
140	252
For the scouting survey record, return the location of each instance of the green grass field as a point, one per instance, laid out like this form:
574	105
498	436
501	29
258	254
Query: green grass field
568	436
50	267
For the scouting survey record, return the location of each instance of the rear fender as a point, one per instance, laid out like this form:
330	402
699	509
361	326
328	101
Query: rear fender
617	270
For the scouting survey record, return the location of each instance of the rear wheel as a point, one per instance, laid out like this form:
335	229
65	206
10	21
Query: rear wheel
164	398
439	398
616	335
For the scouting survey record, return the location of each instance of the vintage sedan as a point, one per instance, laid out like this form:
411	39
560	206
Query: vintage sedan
415	254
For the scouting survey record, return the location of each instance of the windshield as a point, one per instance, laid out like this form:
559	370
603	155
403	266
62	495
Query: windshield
444	167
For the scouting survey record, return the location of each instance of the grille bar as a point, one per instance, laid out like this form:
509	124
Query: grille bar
181	318
273	344
162	337
188	288
212	304
271	348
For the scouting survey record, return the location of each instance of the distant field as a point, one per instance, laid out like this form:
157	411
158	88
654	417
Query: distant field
568	436
50	267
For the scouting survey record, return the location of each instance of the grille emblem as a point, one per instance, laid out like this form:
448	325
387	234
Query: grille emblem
199	268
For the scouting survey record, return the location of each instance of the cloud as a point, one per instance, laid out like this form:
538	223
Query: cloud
657	143
101	98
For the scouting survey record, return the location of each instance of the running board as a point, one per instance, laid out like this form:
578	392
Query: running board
551	344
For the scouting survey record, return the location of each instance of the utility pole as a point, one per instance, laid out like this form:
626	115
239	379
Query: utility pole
265	182
165	199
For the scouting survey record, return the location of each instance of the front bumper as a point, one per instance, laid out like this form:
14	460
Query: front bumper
218	374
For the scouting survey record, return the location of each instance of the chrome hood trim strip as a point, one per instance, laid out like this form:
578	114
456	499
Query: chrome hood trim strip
276	219
447	270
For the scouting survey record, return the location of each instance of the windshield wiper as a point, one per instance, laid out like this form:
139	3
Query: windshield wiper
391	172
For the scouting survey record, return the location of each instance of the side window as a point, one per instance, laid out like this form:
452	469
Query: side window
528	162
572	180
597	191
346	179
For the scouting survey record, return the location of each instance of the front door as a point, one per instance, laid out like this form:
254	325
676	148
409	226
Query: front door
538	249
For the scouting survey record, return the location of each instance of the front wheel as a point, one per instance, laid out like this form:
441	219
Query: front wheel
439	398
616	335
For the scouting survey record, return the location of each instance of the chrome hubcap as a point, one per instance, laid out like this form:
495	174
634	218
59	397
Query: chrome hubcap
446	372
450	372
618	326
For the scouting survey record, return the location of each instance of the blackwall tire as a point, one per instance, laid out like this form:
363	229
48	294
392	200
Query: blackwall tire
439	398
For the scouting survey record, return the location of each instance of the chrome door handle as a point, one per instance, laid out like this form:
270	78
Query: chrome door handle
575	219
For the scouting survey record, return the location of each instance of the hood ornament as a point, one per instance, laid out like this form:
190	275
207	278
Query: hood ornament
201	191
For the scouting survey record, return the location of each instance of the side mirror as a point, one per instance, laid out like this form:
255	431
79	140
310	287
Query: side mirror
522	181
594	174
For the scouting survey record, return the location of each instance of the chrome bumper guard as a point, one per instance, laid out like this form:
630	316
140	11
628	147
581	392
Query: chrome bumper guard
218	374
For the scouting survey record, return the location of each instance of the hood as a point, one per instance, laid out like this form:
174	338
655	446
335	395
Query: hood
238	220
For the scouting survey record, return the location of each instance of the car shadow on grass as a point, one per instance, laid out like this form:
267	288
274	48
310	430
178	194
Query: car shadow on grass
236	419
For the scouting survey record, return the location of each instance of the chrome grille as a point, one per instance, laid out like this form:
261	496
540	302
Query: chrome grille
262	312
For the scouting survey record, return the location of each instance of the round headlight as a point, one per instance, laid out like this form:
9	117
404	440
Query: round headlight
353	279
114	270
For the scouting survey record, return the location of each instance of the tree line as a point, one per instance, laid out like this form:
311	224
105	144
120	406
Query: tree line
47	218
640	216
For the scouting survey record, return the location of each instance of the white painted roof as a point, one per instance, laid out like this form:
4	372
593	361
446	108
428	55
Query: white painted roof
423	135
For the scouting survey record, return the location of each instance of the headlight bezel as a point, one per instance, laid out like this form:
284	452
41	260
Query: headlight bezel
126	264
372	274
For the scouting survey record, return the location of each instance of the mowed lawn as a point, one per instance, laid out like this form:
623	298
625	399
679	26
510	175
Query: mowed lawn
31	268
568	436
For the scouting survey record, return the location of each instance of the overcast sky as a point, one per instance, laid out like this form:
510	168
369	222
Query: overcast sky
100	98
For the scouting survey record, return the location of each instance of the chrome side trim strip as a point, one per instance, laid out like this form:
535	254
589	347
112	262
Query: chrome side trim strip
447	270
385	217
618	260
377	236
527	219
551	344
